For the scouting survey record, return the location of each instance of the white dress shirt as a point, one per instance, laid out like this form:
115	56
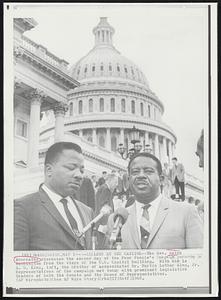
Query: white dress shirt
55	198
152	211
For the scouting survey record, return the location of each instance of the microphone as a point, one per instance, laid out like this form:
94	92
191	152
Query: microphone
120	217
105	210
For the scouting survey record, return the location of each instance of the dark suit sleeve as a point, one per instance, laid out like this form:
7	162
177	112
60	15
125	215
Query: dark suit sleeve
194	229
21	227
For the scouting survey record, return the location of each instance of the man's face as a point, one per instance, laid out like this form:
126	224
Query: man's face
64	175
174	161
144	179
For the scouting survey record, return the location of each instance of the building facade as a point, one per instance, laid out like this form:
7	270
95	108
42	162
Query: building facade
41	83
94	103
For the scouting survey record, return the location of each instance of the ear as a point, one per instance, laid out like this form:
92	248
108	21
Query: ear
48	170
161	178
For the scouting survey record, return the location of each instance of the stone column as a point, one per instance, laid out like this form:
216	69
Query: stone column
59	112
80	133
164	157
121	136
147	140
36	97
156	141
170	150
108	139
94	136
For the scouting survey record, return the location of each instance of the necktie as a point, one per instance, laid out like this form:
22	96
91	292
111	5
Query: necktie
72	222
145	226
71	219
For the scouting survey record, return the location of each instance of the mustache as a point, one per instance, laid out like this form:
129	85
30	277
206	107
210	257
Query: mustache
145	181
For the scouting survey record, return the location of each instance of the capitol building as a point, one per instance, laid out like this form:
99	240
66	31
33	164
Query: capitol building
95	103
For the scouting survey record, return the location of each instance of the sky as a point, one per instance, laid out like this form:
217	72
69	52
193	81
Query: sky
167	42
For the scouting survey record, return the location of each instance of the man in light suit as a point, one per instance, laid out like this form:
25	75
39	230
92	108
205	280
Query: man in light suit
51	219
178	178
155	221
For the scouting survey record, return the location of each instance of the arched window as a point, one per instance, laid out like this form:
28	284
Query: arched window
113	143
133	107
123	108
112	105
85	70
118	68
71	109
141	109
101	141
93	68
90	105
102	68
101	104
149	115
132	71
110	68
125	69
80	106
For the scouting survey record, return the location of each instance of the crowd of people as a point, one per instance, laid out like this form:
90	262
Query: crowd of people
61	215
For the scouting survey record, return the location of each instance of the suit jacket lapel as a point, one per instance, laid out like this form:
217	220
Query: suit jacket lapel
130	227
49	205
160	216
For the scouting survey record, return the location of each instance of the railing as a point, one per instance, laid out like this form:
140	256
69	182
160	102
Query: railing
43	53
194	179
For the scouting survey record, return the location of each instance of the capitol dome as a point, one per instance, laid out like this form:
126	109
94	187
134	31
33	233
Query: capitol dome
105	61
113	96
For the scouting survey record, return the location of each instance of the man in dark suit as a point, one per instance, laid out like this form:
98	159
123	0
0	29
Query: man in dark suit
154	221
86	193
102	179
178	178
200	149
104	196
51	219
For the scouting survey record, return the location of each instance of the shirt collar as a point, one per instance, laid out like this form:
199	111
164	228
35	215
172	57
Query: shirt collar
52	195
153	203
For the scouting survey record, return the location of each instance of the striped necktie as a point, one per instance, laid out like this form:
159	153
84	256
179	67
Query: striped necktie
71	219
73	223
145	226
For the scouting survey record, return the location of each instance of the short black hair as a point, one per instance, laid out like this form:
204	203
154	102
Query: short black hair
57	148
148	155
104	172
174	158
